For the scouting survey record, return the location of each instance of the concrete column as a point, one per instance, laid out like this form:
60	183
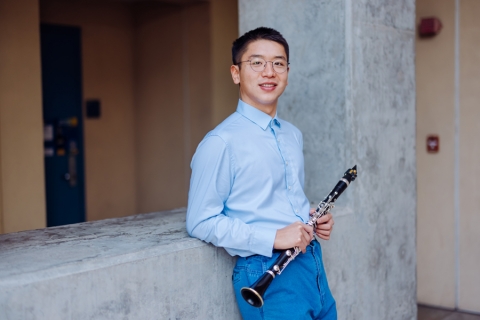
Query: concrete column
352	93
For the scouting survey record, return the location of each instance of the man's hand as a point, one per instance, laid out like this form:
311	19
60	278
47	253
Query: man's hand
324	225
297	234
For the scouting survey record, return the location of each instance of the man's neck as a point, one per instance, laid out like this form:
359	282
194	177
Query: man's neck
271	110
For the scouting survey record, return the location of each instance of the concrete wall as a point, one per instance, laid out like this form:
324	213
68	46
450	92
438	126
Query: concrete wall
22	191
352	93
107	67
139	267
448	76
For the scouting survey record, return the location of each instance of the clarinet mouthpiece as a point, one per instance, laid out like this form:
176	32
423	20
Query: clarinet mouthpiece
351	174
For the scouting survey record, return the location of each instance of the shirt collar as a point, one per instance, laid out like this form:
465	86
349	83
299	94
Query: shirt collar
258	117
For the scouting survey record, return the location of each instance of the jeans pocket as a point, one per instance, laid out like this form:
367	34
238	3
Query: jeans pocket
256	265
236	276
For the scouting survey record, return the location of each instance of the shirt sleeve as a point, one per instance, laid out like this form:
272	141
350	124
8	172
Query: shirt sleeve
210	185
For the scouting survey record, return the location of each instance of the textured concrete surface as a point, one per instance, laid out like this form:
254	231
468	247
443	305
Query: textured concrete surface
352	93
139	267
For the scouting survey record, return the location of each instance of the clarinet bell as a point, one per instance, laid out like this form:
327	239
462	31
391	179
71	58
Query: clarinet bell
254	294
252	297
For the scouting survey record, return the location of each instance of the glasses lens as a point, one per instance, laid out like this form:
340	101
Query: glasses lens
279	66
257	64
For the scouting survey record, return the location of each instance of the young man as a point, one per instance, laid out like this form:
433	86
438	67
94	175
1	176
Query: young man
246	190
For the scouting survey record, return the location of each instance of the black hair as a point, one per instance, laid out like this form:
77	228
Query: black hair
240	45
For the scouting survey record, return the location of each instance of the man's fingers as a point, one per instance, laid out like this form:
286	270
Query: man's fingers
324	237
307	229
324	232
297	234
324	218
324	226
306	237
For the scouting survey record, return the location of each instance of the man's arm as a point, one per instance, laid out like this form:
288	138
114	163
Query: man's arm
210	185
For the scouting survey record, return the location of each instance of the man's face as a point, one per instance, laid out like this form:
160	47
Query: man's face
261	89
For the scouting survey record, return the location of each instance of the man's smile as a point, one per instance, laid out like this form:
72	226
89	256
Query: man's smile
268	86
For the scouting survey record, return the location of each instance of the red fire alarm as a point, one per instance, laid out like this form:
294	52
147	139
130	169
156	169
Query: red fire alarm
429	27
433	144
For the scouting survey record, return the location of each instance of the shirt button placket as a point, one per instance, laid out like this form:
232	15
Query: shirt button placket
287	168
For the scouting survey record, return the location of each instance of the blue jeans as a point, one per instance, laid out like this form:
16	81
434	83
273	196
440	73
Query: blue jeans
300	292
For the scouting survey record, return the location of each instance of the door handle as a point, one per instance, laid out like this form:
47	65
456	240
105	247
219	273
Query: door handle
71	175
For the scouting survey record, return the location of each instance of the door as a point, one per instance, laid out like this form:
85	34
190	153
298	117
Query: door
63	125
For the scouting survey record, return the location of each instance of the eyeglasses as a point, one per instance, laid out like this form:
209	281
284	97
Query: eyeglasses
259	64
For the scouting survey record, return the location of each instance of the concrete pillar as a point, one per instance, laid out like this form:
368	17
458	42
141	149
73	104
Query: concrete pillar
352	93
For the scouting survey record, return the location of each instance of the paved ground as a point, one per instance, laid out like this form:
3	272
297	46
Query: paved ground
428	313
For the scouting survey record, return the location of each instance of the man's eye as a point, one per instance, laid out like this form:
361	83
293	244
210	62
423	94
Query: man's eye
256	63
279	63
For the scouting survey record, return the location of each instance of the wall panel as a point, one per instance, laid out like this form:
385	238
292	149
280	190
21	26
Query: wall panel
435	172
224	30
21	128
173	99
469	255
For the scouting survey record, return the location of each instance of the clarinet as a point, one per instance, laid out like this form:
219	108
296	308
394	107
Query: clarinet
254	294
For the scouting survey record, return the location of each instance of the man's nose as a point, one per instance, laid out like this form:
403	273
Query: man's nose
268	70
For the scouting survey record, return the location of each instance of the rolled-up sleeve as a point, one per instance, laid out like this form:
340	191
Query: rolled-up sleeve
213	175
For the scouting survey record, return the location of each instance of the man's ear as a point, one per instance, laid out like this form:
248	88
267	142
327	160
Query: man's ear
235	71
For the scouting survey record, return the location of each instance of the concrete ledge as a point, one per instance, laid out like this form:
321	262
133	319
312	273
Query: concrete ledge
139	267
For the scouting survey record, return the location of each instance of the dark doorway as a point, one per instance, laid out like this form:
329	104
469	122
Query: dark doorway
63	125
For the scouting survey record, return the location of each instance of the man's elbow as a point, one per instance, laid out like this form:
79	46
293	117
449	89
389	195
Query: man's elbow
190	228
193	229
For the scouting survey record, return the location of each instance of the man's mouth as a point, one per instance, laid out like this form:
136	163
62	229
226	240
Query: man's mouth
267	85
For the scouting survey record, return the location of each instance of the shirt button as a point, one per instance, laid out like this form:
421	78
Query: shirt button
289	187
278	140
286	163
296	210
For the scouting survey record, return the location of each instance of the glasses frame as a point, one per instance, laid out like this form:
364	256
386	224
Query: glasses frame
265	65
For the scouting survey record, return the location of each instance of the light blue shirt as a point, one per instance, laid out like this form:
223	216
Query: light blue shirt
247	182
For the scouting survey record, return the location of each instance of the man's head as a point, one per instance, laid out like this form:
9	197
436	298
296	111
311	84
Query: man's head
262	33
260	68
